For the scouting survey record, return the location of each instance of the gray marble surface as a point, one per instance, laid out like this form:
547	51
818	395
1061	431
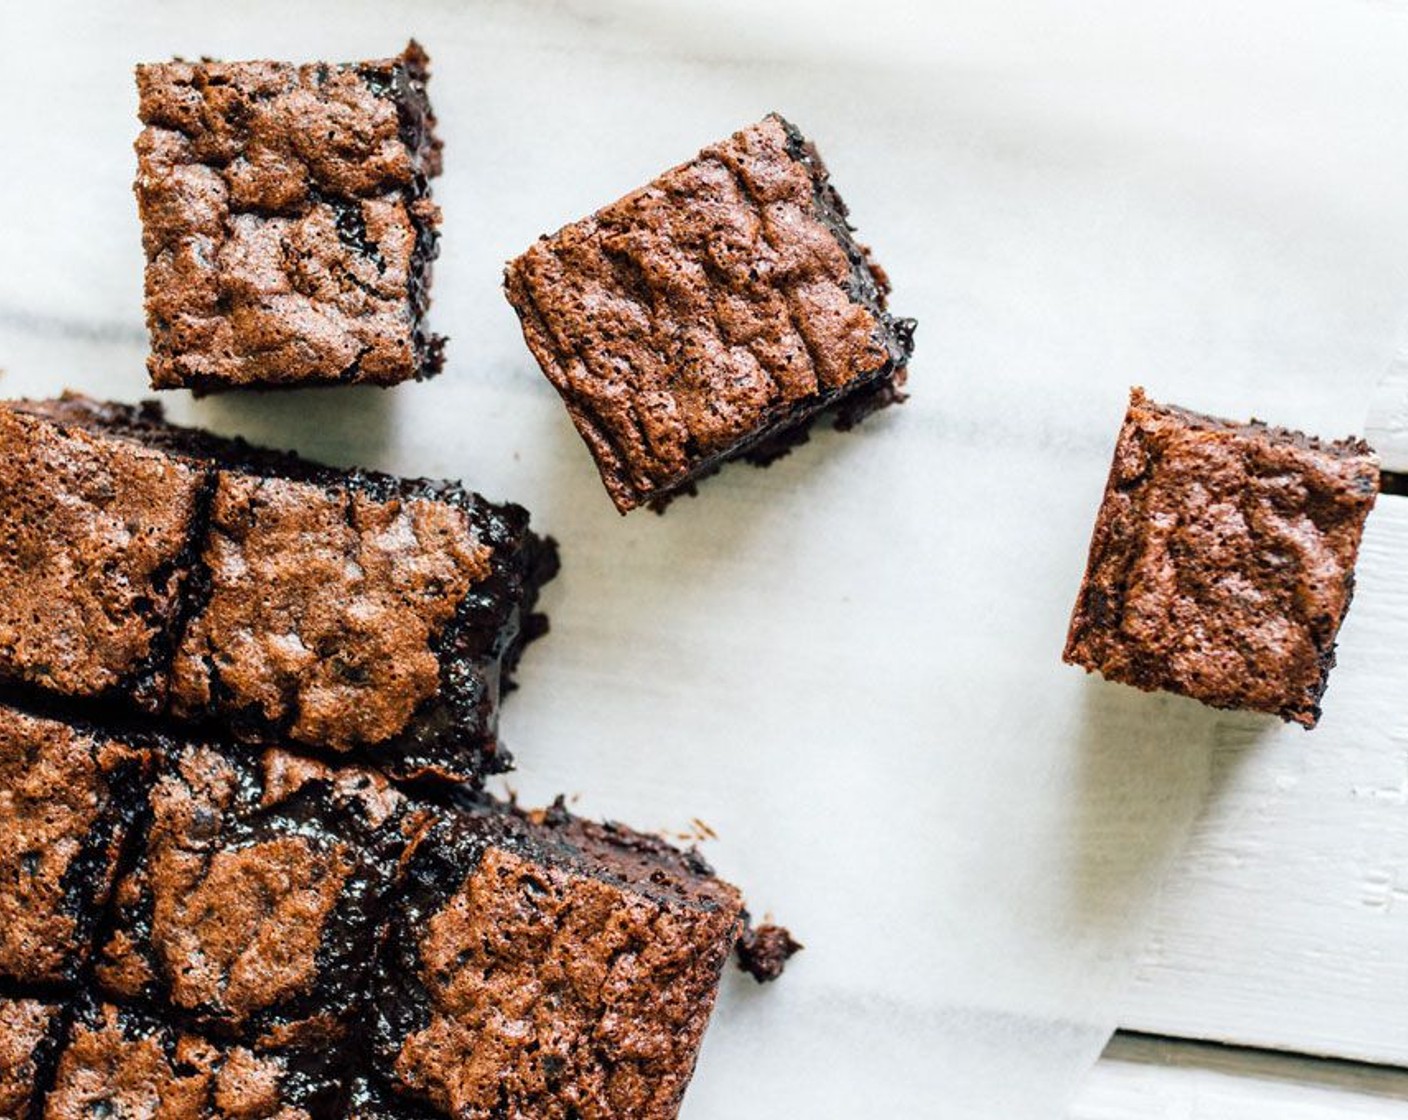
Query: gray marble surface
847	664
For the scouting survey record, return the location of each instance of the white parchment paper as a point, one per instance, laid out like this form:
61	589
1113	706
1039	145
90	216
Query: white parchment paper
847	665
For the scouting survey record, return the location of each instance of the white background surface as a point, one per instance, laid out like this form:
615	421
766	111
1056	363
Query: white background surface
848	664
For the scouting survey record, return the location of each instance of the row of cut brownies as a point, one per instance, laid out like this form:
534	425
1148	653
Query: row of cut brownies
246	868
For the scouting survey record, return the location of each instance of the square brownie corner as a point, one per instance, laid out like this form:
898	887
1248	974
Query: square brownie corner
1222	560
710	315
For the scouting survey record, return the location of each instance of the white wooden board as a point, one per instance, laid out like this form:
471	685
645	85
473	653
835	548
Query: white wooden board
1285	921
1141	1078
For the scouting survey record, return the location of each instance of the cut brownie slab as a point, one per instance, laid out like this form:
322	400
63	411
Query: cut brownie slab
287	222
67	801
119	1062
337	610
255	906
543	966
710	315
1222	561
96	540
29	1039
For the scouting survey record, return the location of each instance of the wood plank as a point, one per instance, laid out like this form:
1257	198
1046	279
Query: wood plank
1142	1078
1285	923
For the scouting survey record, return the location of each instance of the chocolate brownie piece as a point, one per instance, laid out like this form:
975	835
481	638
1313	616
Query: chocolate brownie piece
544	966
255	906
340	610
119	1062
1222	562
710	315
287	222
67	801
95	538
29	1038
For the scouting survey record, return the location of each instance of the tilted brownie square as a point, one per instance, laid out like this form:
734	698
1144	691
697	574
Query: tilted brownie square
544	966
122	1063
344	611
67	801
255	907
287	222
1222	562
710	315
95	537
29	1039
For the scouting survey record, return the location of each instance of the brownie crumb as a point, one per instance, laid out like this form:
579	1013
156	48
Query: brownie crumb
763	952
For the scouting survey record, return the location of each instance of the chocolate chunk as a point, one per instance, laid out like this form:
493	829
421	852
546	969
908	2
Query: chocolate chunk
287	222
710	315
1222	562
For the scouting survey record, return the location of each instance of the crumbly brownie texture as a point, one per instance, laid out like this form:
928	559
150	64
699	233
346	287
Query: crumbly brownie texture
28	1041
710	315
551	968
67	801
1222	561
341	611
94	537
255	907
118	1062
287	222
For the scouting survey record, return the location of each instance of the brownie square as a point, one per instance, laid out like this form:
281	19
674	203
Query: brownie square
343	611
67	801
29	1038
1222	562
255	905
287	222
94	555
543	966
120	1062
710	315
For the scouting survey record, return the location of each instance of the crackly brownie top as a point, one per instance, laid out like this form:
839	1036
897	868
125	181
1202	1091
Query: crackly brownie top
285	219
704	309
323	609
119	1063
63	812
548	980
92	536
26	1034
256	901
1222	562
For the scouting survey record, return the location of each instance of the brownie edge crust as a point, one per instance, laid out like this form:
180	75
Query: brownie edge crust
1222	561
710	315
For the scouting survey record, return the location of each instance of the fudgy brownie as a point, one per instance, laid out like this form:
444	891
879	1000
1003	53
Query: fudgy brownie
119	1062
67	800
1222	561
29	1038
255	907
545	966
287	222
710	315
95	536
338	610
